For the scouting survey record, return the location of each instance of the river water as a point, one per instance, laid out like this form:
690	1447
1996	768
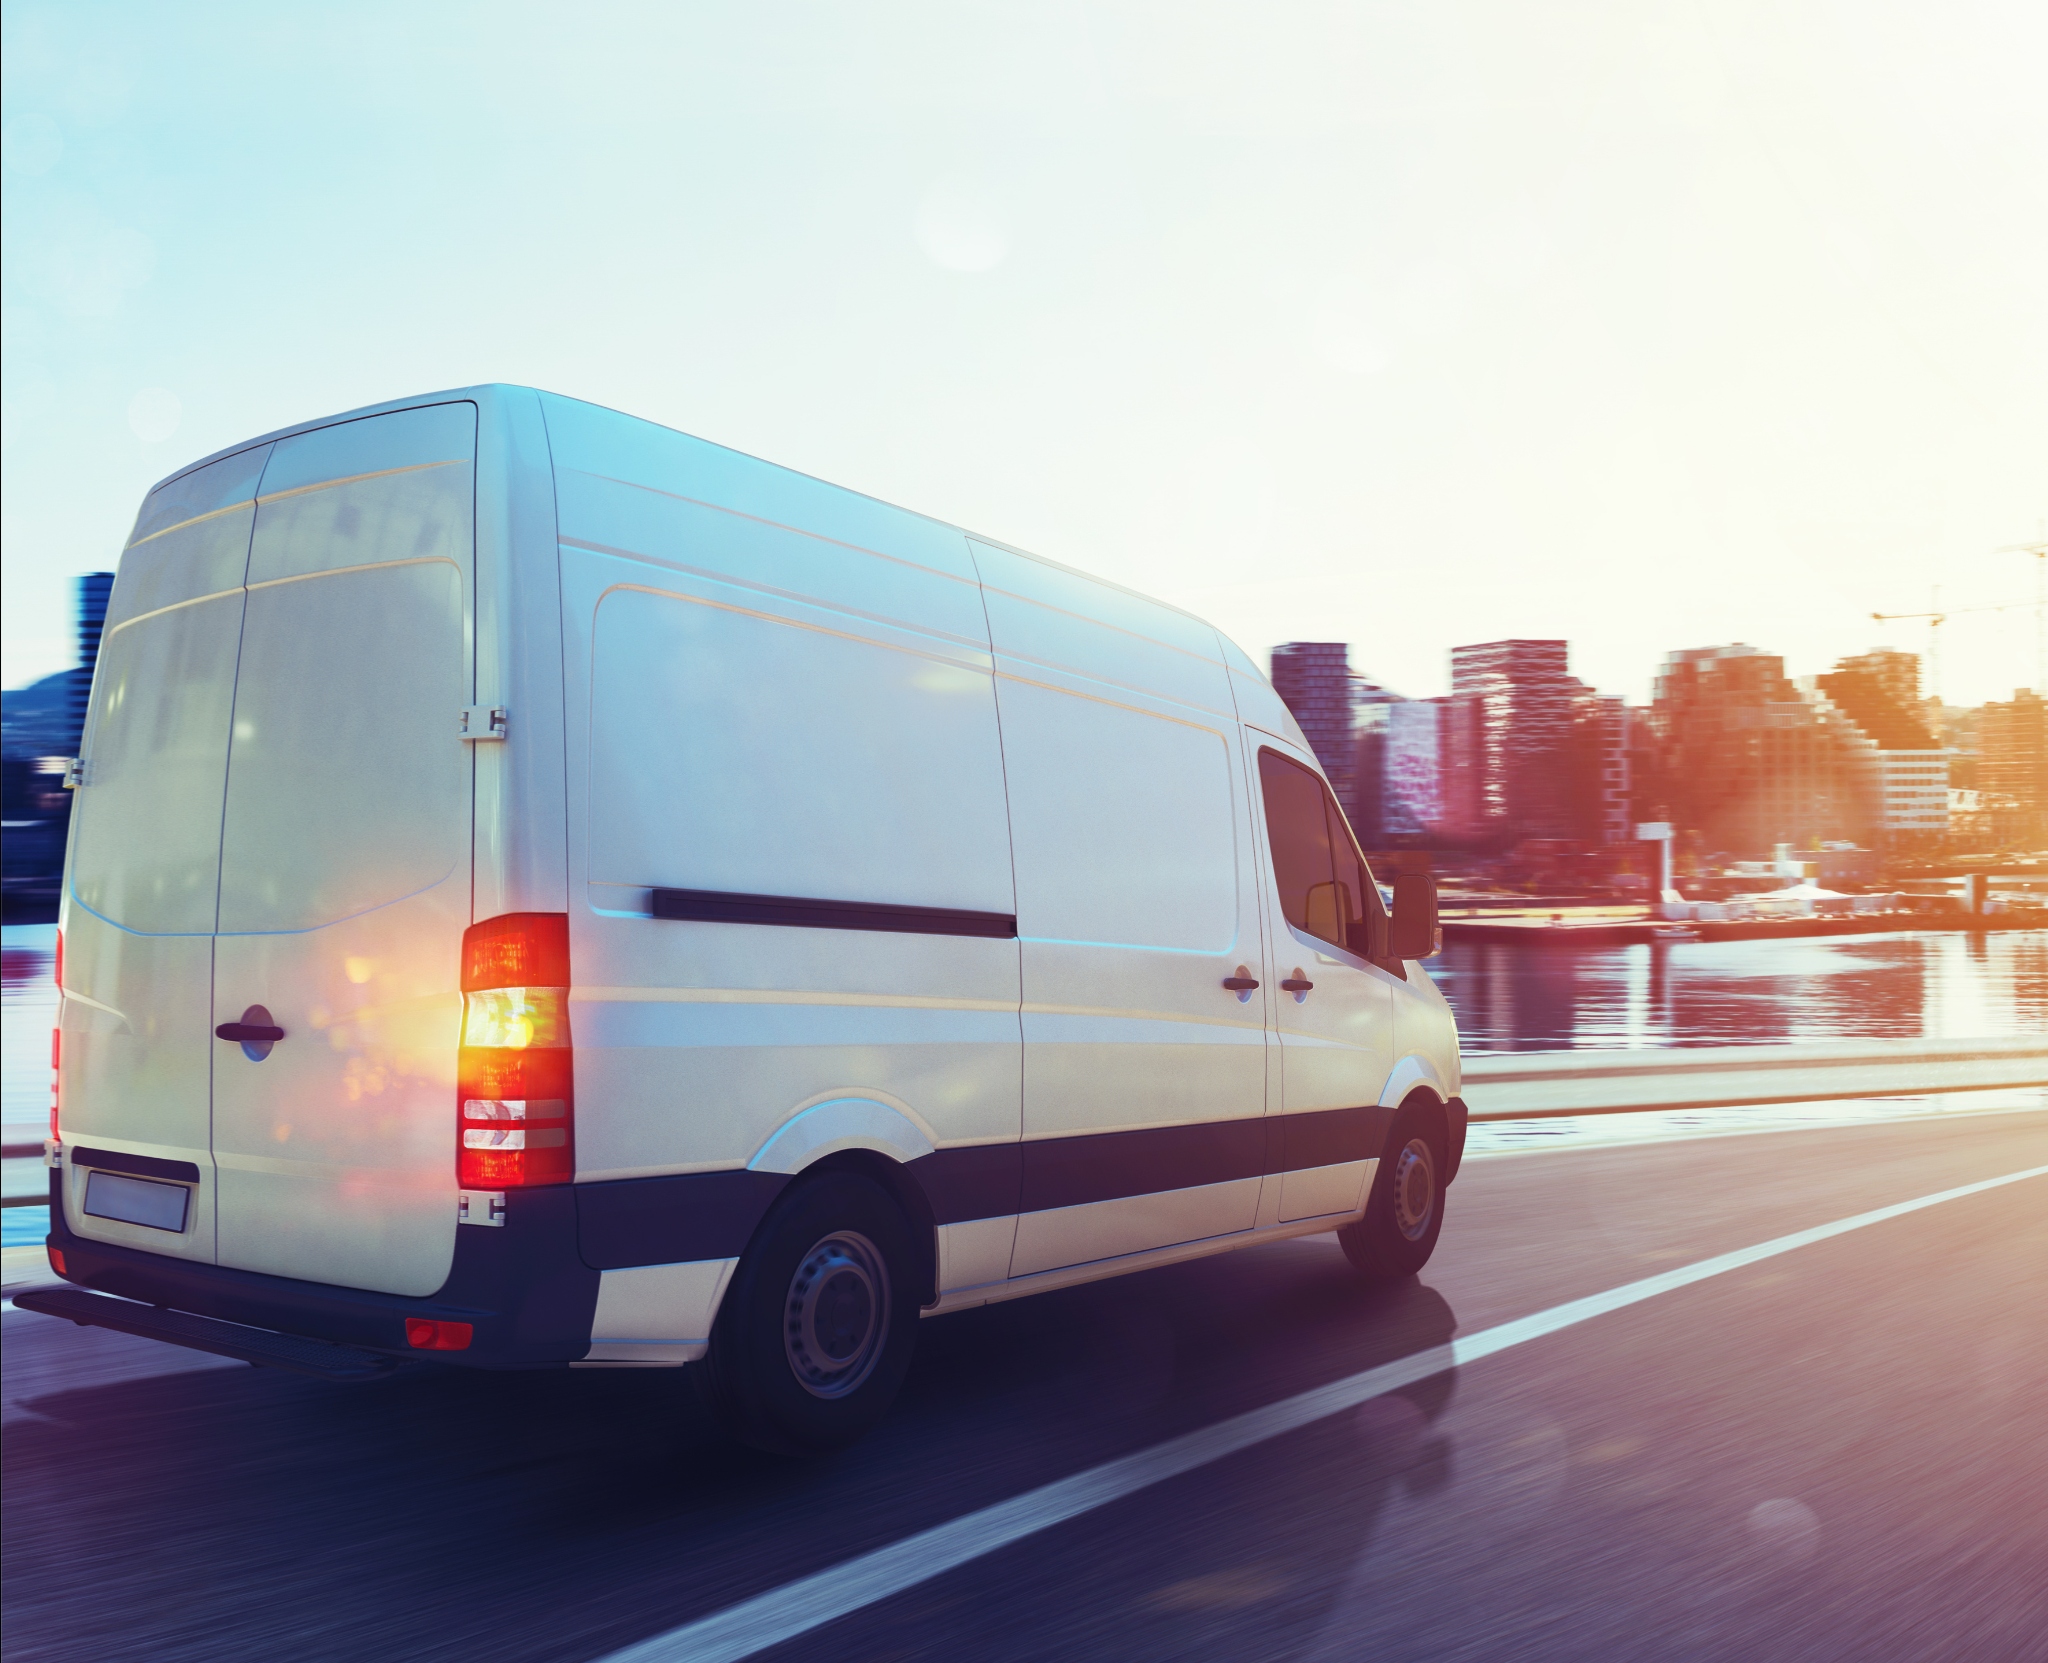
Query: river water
1508	997
1946	984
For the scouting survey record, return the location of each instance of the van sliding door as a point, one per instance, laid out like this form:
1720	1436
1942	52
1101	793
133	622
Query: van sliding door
1144	1074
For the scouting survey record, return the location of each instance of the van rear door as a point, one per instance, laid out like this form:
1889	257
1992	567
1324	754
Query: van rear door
345	858
136	1041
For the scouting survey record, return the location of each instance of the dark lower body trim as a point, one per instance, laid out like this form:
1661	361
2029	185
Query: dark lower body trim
1459	1117
529	1289
713	1215
523	1288
136	1166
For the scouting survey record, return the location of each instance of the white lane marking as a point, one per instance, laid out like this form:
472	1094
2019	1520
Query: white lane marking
1493	1140
798	1607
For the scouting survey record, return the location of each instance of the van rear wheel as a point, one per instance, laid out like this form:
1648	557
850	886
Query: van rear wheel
817	1328
1405	1212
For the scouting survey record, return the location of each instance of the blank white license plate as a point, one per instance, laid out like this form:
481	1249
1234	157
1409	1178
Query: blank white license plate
136	1200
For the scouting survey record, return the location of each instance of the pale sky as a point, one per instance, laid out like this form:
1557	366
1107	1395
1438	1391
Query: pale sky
1646	325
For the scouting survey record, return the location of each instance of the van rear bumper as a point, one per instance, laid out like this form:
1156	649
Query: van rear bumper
526	1293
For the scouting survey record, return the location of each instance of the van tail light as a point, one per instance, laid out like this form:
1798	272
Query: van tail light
429	1334
515	1095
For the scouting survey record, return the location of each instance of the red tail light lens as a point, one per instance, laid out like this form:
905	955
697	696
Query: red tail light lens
426	1334
515	1098
521	949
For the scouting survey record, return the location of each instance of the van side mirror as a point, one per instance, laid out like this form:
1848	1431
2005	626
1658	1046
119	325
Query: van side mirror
1414	932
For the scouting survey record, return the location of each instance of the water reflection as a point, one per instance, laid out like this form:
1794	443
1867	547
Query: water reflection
1945	985
1519	997
28	1011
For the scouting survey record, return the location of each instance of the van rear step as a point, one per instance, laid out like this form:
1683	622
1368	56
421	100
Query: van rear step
319	1358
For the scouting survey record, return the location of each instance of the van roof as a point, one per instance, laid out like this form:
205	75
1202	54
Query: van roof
484	392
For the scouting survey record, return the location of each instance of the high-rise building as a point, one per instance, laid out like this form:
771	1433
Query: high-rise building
43	727
93	590
1315	681
1599	776
1518	698
1411	777
1745	761
1896	673
1898	767
1461	765
1372	711
2012	761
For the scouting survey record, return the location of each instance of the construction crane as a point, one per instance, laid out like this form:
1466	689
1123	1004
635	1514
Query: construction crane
1934	621
2039	550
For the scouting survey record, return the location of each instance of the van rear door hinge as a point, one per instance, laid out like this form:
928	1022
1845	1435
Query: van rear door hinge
483	722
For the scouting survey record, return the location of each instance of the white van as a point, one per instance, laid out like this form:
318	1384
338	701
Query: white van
546	890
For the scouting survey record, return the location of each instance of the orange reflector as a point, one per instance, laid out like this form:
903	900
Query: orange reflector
57	1260
426	1334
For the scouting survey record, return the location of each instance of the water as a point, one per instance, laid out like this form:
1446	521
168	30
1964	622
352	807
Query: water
1924	985
28	1010
1945	985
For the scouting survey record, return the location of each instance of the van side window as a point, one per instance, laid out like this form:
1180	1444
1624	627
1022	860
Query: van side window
1325	889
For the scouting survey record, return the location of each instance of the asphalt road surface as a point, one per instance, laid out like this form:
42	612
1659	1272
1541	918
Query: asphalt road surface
1838	1452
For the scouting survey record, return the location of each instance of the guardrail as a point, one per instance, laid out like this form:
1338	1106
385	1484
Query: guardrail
1551	1085
1545	1085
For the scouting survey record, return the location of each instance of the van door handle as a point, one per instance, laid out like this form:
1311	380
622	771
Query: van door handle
255	1028
253	1033
256	1033
1239	984
1298	984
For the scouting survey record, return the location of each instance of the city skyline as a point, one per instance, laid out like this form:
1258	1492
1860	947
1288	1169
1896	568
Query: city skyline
1739	756
1402	330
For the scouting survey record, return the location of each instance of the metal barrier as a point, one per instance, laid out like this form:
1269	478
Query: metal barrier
1544	1085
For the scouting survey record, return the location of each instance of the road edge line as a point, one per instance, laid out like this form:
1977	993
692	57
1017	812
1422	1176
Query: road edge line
798	1607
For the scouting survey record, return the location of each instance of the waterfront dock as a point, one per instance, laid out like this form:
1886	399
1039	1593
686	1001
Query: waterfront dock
1617	926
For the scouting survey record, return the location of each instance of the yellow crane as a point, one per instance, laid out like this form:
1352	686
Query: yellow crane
2038	548
1934	621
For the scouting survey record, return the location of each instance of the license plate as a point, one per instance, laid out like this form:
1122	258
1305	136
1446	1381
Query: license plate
136	1200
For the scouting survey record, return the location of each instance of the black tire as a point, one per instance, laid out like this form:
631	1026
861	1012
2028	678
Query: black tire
802	1360
1404	1215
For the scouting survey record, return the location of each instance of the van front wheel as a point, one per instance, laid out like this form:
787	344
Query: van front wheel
816	1331
1405	1212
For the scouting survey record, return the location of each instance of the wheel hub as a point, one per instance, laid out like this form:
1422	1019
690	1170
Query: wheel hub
1414	1189
836	1315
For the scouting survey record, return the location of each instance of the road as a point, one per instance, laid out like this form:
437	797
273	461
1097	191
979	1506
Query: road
1838	1452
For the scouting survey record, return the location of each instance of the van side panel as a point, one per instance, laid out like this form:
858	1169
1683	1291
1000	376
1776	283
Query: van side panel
775	689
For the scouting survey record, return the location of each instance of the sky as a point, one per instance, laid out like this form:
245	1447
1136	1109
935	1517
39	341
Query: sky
1645	325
